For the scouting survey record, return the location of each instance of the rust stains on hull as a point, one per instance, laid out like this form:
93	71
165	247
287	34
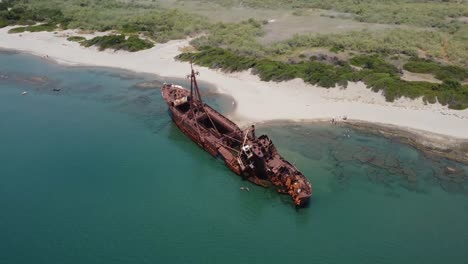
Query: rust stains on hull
253	158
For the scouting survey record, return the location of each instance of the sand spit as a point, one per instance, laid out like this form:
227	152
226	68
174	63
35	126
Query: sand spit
256	101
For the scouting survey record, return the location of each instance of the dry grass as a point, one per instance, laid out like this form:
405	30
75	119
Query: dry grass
187	49
315	21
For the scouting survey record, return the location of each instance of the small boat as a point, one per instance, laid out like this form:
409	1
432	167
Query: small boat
24	93
56	89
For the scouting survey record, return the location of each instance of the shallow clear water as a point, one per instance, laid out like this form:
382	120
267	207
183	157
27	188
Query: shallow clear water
97	173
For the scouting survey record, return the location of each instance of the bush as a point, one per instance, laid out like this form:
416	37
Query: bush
4	6
441	72
118	42
374	63
269	70
76	38
3	23
452	85
218	58
133	43
105	42
38	28
421	66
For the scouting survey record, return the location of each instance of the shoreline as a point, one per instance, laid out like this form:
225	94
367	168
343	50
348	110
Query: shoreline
431	144
257	101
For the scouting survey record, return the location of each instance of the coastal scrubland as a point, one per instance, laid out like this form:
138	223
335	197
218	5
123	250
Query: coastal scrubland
418	36
151	20
428	13
430	34
374	71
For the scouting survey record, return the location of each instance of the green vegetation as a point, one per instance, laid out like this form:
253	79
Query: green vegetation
13	13
434	31
76	38
38	28
441	72
392	41
410	12
162	24
374	63
439	32
242	38
238	37
411	42
118	42
217	58
233	47
376	73
157	23
269	70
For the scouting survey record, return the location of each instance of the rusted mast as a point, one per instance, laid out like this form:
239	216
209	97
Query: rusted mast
192	100
194	84
191	88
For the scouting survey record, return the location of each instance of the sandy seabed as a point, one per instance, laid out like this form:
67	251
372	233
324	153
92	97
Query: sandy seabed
256	101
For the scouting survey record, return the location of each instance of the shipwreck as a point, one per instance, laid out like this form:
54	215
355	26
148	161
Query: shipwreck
253	158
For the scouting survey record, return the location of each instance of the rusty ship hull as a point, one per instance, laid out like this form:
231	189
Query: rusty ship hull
253	158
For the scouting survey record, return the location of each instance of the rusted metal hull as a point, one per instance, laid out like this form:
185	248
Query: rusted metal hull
210	148
253	158
187	130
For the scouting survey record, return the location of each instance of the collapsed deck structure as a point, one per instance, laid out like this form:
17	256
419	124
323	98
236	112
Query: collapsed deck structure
254	158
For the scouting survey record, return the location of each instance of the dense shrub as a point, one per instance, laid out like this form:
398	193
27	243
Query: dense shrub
133	43
76	38
118	42
22	15
441	72
375	63
421	66
4	5
38	28
3	23
217	58
105	42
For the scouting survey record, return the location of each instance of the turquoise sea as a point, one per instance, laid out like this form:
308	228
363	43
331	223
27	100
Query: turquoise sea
97	173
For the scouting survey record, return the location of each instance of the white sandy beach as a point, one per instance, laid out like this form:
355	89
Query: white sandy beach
256	101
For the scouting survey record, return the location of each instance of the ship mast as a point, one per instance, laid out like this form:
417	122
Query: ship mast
198	101
194	86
